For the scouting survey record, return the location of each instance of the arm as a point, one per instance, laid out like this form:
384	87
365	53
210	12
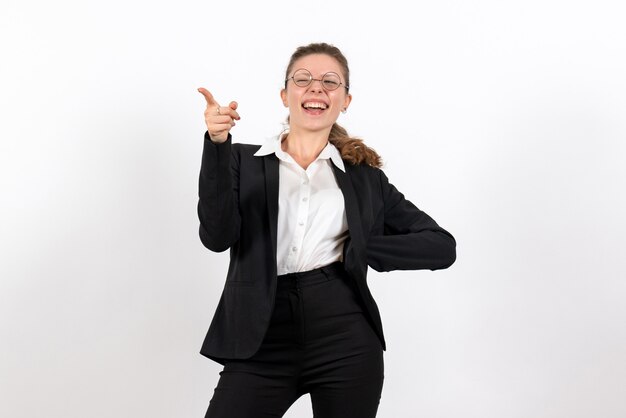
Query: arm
411	239
218	195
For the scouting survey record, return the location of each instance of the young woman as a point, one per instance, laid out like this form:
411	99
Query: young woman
304	215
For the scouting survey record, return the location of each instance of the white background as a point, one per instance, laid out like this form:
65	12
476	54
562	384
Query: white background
505	121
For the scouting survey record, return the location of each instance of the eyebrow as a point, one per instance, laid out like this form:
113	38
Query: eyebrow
327	72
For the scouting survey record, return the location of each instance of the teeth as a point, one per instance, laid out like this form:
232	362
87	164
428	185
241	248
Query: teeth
315	105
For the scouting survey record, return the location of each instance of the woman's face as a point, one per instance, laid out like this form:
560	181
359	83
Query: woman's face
315	108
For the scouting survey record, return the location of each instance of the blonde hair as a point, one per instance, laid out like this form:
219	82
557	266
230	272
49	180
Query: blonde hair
351	149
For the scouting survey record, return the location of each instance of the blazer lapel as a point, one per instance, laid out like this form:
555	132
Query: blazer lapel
353	252
271	191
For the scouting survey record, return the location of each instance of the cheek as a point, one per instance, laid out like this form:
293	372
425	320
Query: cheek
289	100
340	102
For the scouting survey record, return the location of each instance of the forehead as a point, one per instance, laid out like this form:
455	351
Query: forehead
318	64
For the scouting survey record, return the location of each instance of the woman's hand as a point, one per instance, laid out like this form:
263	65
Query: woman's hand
219	119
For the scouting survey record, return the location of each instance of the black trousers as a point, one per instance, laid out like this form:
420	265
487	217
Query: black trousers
319	342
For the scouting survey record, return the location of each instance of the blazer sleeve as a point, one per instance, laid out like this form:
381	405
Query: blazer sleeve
218	195
411	239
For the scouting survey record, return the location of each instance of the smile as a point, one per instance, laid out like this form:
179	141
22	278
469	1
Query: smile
314	105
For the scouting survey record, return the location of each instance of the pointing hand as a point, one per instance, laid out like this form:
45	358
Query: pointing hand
219	119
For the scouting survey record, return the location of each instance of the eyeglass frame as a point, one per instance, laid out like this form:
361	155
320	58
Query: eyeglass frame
321	80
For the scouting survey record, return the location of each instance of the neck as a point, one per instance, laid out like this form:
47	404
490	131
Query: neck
305	147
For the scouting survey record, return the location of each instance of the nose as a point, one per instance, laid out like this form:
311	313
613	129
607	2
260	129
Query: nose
316	85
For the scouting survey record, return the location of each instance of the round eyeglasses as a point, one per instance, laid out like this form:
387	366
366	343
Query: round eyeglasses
303	78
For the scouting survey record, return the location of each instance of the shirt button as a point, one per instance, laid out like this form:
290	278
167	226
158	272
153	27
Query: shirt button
304	199
300	223
294	249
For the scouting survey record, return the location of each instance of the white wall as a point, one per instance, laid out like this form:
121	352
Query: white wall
505	121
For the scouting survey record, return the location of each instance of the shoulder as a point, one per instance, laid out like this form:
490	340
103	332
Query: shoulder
243	155
242	148
363	170
365	177
243	151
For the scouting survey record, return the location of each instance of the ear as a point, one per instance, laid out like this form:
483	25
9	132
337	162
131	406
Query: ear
283	96
347	101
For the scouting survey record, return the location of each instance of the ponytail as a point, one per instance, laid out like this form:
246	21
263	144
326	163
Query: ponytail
353	150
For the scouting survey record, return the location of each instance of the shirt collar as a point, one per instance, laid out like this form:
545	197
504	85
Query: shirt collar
272	146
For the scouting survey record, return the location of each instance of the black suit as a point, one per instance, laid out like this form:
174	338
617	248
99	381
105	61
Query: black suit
238	209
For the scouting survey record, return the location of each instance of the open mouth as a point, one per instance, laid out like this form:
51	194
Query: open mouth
315	108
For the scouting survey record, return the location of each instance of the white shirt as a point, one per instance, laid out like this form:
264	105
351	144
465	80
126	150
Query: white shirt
312	225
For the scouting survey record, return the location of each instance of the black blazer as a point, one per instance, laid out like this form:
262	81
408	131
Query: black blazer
238	209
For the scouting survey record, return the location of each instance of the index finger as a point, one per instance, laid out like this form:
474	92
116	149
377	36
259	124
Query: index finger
210	101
